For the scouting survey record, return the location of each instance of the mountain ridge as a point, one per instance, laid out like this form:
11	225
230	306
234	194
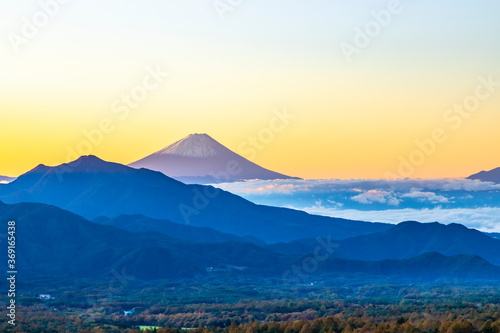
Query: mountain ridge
403	241
141	223
59	244
121	190
411	239
487	176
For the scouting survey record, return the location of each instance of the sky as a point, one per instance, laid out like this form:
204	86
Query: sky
313	89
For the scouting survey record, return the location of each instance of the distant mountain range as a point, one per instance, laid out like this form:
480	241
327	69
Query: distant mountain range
411	239
5	179
151	226
92	187
56	243
199	159
404	241
487	176
59	244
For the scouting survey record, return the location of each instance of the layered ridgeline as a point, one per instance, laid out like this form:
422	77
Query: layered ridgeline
410	239
92	187
199	159
406	240
59	244
141	223
487	176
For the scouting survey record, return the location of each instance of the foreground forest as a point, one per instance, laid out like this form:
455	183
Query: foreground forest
351	317
349	306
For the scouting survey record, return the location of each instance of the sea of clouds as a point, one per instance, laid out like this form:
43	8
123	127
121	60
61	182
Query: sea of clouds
473	203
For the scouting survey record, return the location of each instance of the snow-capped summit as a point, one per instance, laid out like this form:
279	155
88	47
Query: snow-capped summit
194	145
198	158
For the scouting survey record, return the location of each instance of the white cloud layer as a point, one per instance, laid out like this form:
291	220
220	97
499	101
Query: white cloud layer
373	196
472	203
430	196
265	187
484	219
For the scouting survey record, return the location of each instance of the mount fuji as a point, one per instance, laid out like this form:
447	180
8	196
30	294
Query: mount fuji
199	159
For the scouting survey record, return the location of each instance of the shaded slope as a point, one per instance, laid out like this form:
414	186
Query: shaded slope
56	243
428	266
411	239
141	223
91	187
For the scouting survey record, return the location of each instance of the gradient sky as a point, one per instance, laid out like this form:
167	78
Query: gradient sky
352	120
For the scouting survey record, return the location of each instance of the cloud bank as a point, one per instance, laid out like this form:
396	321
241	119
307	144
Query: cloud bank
485	219
473	203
